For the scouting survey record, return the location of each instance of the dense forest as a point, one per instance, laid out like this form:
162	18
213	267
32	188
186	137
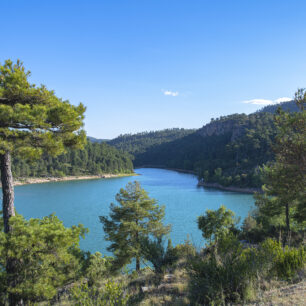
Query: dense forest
141	142
228	151
96	158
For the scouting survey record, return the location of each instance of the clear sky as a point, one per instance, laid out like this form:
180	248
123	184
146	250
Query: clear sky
154	64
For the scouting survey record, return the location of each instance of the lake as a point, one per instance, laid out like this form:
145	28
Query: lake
84	201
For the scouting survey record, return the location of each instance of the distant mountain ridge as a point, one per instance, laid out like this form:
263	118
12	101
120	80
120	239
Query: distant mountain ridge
93	139
289	106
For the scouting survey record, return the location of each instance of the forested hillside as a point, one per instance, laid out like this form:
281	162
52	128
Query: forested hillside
96	158
141	142
229	150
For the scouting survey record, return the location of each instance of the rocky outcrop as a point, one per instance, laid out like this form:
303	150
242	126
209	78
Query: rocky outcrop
234	126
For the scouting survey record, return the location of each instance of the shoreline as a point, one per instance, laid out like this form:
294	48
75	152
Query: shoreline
165	168
208	185
229	188
42	180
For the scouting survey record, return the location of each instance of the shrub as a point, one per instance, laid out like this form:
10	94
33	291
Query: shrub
226	274
111	294
155	252
290	261
185	250
252	231
216	223
97	268
284	262
46	254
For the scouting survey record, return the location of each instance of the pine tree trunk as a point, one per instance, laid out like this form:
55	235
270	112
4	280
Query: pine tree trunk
8	212
137	257
7	190
287	224
137	243
137	264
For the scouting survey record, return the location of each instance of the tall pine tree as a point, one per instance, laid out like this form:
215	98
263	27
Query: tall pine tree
136	217
285	179
32	121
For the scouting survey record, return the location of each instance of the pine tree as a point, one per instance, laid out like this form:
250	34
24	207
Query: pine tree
137	216
216	223
285	179
32	121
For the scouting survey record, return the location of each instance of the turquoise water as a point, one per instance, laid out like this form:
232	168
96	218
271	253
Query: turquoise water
83	202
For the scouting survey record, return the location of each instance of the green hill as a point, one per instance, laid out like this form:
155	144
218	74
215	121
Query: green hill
141	142
228	150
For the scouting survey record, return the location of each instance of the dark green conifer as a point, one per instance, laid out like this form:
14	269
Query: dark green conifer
137	216
32	121
285	179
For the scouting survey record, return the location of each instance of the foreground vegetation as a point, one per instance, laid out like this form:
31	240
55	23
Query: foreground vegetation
51	267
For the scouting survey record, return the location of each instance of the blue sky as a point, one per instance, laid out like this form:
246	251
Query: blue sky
149	64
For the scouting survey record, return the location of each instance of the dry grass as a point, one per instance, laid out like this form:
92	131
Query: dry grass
147	288
288	295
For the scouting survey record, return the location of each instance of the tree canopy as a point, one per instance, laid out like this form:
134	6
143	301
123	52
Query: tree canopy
33	119
94	159
216	223
47	256
136	217
285	178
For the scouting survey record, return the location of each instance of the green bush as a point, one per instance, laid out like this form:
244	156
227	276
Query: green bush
98	267
111	294
46	255
252	231
229	273
185	250
155	252
290	261
284	262
224	275
217	223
